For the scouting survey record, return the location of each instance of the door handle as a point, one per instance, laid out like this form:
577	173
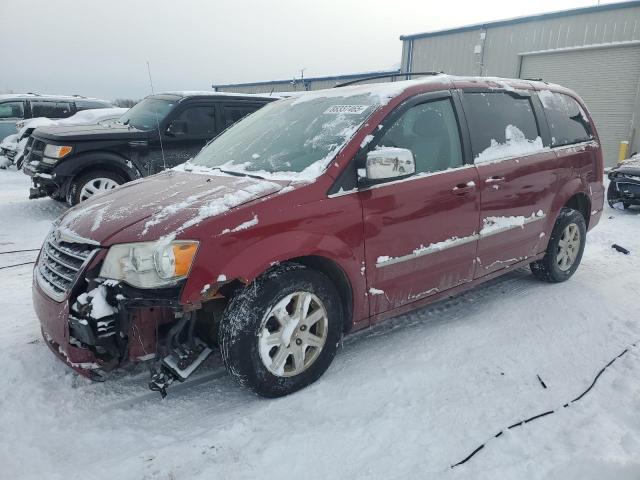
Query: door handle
464	188
495	179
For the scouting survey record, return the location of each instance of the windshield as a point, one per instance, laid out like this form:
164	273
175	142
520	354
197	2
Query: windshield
292	138
147	114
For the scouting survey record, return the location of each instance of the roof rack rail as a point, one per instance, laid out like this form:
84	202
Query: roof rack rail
33	93
387	75
78	96
535	80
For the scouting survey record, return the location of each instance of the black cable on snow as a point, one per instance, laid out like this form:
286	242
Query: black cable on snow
17	265
20	251
549	412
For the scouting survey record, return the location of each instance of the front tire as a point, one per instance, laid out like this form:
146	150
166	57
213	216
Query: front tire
565	248
92	183
281	333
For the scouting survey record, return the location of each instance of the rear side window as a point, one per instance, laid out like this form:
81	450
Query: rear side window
198	121
567	121
501	125
233	113
88	104
11	110
430	131
50	109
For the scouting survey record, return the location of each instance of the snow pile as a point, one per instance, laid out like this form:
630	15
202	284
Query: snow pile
424	389
516	145
92	116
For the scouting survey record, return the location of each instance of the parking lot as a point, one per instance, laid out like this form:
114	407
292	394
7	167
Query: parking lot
407	399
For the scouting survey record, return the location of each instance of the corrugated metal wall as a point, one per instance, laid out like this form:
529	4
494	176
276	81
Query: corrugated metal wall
606	79
454	53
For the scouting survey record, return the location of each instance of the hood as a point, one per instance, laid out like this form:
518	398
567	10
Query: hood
161	206
630	166
79	133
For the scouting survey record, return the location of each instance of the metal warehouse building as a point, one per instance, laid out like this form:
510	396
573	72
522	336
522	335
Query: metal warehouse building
594	51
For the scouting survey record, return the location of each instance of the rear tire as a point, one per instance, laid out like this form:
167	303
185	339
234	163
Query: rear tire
565	248
89	184
266	345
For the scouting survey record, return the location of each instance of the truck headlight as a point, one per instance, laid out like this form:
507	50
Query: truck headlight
149	264
53	153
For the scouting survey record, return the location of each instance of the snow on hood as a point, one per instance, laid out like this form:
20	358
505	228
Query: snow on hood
161	207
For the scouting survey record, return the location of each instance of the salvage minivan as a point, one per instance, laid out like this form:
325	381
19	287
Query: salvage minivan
320	215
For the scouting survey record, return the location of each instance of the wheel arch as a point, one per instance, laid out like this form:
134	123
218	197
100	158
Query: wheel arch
340	280
331	257
581	202
573	194
97	160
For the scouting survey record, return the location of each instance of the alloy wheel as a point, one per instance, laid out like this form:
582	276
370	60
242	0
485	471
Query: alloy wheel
568	247
95	186
292	334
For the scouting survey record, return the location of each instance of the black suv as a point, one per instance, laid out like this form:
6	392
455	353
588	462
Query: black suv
73	163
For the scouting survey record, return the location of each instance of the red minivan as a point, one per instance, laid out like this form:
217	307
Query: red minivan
320	215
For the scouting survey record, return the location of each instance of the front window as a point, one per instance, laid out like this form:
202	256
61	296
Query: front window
294	138
147	114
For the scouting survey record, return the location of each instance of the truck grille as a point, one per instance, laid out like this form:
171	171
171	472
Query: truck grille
60	264
34	150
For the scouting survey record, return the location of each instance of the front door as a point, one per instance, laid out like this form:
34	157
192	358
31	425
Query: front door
421	232
518	176
186	132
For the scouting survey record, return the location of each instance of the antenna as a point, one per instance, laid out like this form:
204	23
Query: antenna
164	163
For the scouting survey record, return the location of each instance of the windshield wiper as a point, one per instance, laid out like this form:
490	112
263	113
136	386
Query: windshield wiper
239	174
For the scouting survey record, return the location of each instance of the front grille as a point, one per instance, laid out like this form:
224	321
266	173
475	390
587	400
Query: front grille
60	264
34	150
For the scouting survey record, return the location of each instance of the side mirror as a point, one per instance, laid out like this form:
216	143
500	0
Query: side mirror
177	127
389	162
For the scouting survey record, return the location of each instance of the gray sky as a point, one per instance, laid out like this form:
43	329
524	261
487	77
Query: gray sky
100	48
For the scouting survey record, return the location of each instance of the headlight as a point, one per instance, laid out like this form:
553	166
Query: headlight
53	153
149	264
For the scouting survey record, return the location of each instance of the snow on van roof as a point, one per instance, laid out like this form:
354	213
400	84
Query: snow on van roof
196	93
388	90
17	96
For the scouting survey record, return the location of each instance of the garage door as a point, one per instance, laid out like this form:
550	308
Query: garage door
607	81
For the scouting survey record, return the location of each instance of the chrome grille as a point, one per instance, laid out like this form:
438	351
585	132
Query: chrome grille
60	264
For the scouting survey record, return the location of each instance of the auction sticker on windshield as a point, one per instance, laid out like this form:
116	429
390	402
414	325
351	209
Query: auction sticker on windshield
351	109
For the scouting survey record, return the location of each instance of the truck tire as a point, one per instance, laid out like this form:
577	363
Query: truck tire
565	248
88	184
280	333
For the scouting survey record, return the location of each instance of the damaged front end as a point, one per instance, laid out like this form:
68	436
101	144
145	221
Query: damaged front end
96	324
624	186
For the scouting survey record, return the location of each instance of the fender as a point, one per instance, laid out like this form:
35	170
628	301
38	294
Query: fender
567	190
263	254
97	159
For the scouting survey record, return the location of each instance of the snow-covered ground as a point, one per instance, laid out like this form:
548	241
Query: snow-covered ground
406	399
